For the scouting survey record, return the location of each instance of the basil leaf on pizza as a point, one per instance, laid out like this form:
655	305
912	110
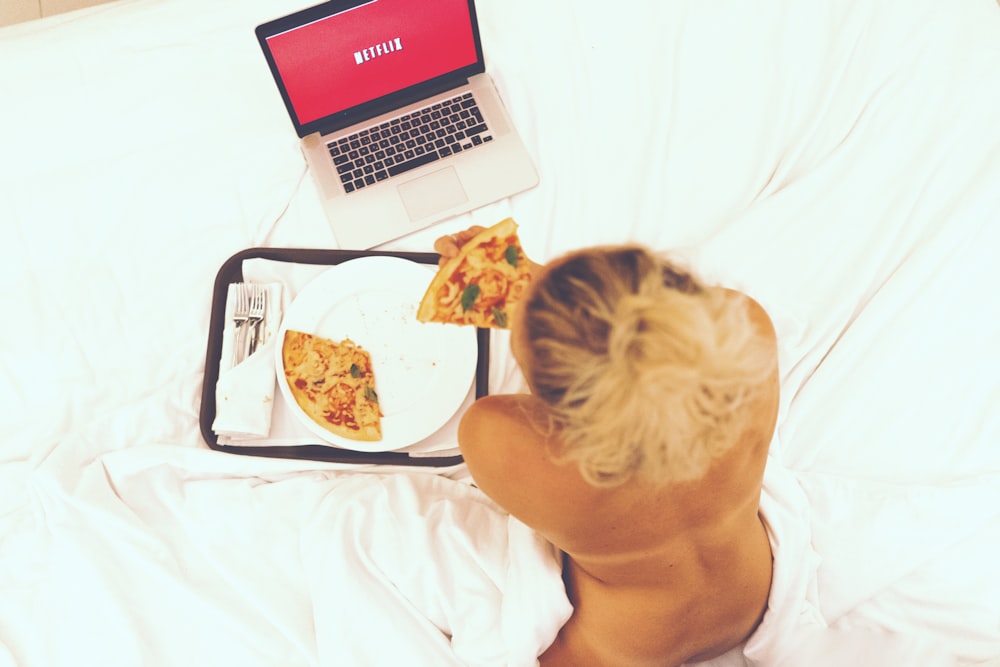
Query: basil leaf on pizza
469	296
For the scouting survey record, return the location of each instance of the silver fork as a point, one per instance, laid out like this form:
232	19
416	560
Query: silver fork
241	318
258	308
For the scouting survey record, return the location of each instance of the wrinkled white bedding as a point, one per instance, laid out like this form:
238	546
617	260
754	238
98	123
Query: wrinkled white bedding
840	161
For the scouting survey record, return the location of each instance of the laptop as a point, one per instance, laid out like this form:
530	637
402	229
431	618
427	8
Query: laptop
400	124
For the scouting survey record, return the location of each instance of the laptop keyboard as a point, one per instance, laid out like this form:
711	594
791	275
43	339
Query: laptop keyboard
418	138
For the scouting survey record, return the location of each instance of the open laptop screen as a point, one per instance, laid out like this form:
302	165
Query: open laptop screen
338	57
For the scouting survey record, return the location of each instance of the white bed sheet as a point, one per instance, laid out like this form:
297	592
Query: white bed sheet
840	161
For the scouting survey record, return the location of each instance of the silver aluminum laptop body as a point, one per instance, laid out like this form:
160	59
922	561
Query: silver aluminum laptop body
345	66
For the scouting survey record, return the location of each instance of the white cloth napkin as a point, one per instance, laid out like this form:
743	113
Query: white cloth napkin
284	428
244	393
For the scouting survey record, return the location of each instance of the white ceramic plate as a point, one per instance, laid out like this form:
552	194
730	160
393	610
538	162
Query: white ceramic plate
423	371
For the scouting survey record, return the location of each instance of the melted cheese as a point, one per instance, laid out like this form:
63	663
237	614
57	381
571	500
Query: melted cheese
500	283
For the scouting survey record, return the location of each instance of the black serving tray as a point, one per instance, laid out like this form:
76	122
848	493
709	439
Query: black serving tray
232	272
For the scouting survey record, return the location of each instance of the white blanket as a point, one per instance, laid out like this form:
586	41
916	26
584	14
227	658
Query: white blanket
163	556
840	161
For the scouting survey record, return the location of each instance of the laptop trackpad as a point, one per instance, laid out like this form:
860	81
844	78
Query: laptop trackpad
434	192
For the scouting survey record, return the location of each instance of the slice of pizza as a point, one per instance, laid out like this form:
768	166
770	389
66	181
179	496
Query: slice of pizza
334	384
482	284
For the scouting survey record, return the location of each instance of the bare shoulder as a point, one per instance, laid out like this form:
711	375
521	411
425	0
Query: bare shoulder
497	427
506	443
758	315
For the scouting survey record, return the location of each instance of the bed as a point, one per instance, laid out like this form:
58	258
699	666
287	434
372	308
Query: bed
839	161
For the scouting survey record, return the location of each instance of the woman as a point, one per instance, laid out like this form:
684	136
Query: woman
639	453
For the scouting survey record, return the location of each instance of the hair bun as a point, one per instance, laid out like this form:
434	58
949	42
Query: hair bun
644	374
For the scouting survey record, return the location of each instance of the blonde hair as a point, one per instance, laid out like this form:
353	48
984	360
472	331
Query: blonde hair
645	370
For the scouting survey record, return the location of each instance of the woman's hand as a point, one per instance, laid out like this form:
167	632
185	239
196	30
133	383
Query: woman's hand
449	246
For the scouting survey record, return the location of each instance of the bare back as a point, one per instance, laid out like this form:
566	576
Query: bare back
658	575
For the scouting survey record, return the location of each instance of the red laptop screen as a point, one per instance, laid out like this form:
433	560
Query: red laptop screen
371	50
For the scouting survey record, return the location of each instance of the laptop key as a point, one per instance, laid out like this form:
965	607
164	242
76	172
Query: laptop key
418	161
